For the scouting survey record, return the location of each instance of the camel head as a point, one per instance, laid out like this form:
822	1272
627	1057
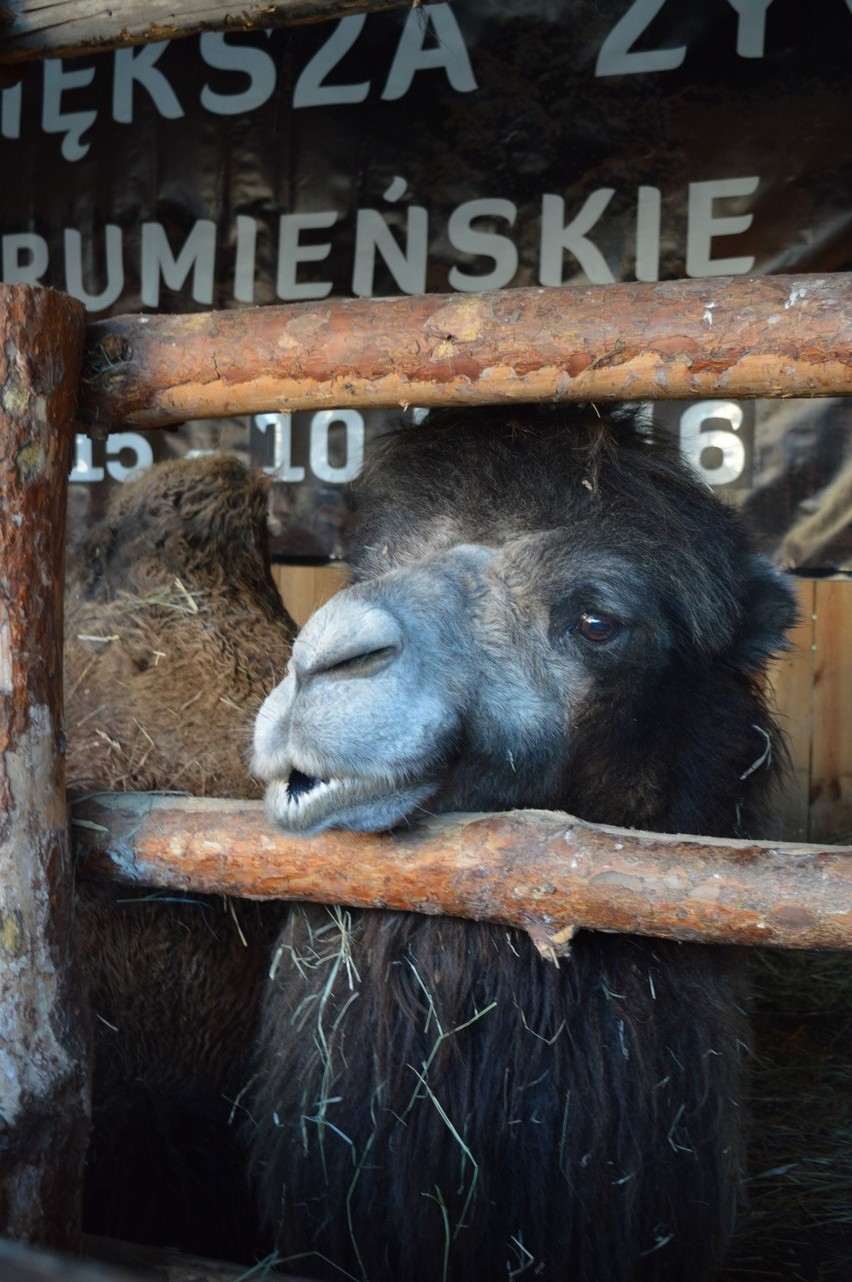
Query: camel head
548	610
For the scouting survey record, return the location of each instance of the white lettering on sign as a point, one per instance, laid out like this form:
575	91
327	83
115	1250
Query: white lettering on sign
406	262
557	238
249	62
291	253
751	28
393	242
618	57
10	111
138	66
244	259
479	243
326	439
54	118
717	454
311	89
703	225
126	454
84	469
322	425
74	256
435	23
336	450
25	258
430	41
127	443
197	255
281	466
337	439
648	218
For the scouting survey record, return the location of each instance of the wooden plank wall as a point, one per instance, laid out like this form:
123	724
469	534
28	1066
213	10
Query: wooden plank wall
831	717
304	588
812	686
813	693
791	680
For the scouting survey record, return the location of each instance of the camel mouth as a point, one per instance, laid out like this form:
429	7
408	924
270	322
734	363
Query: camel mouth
300	803
299	784
306	804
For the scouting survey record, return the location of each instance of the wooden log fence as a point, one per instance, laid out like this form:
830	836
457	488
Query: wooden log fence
65	28
729	336
545	872
44	1105
775	336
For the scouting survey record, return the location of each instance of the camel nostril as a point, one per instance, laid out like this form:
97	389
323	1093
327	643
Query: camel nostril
358	665
347	638
299	785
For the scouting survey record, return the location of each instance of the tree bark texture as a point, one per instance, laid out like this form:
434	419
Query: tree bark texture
772	336
43	1035
547	873
68	27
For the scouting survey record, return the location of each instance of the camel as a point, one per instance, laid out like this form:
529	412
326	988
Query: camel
547	610
174	631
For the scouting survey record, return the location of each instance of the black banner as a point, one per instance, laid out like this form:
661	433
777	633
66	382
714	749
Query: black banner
451	148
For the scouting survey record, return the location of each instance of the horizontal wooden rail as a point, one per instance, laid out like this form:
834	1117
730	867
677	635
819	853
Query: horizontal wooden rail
728	336
32	29
547	873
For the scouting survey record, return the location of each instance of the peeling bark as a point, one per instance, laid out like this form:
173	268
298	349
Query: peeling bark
544	872
772	336
43	1050
67	28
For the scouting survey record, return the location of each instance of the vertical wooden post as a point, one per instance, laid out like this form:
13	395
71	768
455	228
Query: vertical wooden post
44	1066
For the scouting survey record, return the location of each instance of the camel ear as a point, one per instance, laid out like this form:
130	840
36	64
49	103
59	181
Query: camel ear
770	609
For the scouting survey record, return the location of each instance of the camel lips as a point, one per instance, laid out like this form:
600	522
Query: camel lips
299	785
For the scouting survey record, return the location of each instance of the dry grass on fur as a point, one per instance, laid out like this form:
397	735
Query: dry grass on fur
798	1220
174	633
327	947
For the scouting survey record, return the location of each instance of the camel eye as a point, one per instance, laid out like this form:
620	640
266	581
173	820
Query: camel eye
596	626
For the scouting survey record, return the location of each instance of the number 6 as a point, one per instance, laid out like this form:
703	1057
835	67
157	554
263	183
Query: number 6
695	440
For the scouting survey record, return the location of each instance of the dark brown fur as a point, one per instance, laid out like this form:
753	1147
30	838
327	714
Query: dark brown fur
174	630
175	581
435	1101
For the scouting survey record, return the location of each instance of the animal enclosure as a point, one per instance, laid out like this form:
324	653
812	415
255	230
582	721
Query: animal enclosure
776	336
839	878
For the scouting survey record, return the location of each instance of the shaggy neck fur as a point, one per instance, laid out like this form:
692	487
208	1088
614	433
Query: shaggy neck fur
434	1102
